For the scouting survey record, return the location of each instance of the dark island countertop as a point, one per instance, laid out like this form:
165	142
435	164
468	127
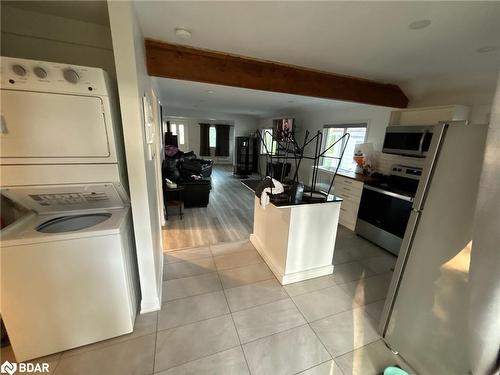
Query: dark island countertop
252	185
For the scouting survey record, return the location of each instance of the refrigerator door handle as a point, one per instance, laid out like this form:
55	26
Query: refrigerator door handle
438	134
404	253
421	143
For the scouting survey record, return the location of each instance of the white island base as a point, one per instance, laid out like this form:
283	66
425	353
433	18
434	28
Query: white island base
296	241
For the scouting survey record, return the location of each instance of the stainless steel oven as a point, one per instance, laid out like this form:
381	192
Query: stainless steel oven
385	207
408	140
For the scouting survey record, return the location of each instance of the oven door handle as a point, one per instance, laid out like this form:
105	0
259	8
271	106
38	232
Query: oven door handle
390	193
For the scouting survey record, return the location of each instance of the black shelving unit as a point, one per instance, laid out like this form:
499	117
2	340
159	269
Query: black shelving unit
246	156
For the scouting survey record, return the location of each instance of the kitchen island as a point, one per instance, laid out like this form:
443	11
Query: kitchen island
296	240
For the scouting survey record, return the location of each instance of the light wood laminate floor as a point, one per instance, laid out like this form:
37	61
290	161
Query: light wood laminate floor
228	216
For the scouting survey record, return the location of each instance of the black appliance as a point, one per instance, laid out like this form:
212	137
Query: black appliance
385	207
246	156
408	140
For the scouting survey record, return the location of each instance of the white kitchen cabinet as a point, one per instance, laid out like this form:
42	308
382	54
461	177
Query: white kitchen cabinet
350	191
428	115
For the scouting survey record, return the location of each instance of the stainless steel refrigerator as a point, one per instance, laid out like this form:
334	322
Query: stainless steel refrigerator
425	317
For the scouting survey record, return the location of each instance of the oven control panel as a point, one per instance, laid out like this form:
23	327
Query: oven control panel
406	171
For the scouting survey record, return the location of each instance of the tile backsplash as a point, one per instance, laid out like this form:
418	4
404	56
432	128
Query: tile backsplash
383	162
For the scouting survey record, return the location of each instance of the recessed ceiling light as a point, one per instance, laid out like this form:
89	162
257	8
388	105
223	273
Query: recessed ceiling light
419	24
487	49
183	33
210	91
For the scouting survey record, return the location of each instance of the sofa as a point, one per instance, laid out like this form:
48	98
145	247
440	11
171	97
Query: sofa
186	170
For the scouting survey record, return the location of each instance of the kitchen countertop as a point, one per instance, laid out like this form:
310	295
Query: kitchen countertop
353	176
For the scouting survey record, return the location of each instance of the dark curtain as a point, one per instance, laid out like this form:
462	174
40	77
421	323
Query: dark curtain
222	140
204	139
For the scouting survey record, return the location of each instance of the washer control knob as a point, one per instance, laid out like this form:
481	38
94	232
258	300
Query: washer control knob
19	70
40	72
71	76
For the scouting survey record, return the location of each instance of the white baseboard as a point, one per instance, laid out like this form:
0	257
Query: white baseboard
306	275
285	279
150	305
260	249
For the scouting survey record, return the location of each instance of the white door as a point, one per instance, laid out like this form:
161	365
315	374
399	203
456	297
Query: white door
50	128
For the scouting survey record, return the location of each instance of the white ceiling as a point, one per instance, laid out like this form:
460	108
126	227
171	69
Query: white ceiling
233	100
363	39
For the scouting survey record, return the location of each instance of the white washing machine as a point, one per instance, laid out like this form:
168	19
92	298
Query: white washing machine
68	270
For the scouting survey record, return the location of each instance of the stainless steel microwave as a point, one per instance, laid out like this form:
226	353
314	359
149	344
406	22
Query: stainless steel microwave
408	140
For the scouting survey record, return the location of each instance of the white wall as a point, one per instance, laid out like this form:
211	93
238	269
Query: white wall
38	36
241	125
376	118
133	83
476	91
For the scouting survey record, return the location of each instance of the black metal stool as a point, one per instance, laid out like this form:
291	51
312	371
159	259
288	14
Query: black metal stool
178	200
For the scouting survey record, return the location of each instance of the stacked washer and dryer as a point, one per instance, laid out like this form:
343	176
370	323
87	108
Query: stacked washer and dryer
68	267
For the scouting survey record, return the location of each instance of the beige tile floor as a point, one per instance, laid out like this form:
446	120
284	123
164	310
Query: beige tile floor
224	312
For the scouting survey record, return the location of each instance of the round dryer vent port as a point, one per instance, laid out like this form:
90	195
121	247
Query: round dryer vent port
72	223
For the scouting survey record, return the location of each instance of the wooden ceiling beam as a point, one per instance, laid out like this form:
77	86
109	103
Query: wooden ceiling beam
193	64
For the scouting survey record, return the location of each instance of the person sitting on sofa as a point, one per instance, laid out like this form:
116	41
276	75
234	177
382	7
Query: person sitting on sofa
186	170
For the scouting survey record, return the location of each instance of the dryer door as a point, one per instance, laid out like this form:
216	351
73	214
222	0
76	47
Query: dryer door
49	128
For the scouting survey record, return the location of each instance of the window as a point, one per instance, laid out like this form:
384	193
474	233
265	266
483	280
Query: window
267	144
178	130
212	137
181	138
332	133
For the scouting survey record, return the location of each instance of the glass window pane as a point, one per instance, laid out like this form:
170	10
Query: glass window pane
332	135
173	129
212	136
267	135
357	135
181	134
